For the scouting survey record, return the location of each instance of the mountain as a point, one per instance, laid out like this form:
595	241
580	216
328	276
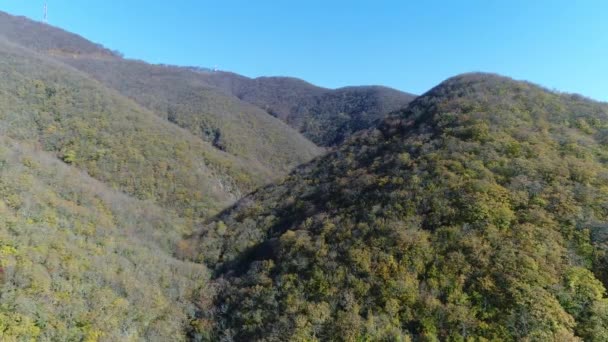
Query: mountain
114	140
181	96
325	116
178	95
232	110
223	108
477	213
97	192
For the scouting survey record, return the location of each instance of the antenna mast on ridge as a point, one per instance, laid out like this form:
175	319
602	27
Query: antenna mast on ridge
46	9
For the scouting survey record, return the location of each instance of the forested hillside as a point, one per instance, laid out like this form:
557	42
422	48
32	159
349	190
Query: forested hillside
178	95
477	213
182	97
95	195
325	116
97	192
114	140
232	110
82	262
137	204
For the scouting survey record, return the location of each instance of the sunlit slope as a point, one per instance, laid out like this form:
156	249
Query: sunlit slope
115	140
82	262
182	96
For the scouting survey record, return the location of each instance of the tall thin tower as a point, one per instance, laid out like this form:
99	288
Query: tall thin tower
46	12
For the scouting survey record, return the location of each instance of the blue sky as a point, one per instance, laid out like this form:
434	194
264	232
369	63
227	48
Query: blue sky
409	45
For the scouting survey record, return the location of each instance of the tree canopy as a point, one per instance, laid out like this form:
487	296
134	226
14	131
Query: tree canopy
478	213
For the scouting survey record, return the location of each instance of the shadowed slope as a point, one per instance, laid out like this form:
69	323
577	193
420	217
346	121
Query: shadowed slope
476	213
325	116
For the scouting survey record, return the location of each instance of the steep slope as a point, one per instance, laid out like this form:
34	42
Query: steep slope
235	107
96	193
478	213
182	96
82	262
114	140
325	116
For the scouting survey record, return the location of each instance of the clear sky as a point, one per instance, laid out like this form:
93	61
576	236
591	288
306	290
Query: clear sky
409	45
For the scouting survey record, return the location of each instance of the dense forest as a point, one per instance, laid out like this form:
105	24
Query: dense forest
114	140
80	261
96	194
182	97
106	164
144	202
476	214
